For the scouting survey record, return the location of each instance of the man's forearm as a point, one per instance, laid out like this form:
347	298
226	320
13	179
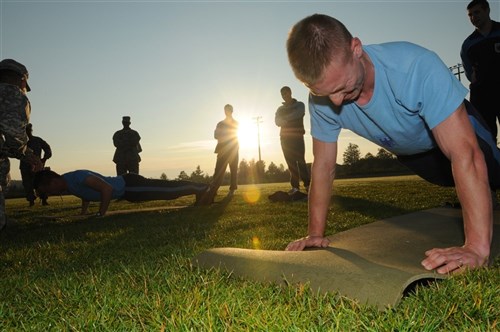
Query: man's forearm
106	196
85	206
473	191
319	201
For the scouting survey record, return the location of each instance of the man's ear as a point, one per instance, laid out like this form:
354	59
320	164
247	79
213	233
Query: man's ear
356	47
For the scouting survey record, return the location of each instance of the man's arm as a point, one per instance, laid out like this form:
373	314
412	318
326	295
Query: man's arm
85	206
47	151
323	174
104	188
456	138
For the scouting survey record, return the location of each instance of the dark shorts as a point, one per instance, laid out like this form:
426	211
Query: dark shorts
435	167
139	188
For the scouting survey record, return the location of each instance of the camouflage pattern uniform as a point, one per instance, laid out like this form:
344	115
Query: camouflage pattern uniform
127	151
15	112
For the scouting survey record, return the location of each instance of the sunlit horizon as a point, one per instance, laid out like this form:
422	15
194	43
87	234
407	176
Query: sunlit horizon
173	65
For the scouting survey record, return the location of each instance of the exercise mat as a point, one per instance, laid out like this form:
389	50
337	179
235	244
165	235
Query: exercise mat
374	264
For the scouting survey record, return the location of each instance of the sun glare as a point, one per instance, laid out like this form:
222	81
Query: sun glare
247	134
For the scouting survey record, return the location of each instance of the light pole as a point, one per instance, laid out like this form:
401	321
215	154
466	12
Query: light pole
457	70
258	120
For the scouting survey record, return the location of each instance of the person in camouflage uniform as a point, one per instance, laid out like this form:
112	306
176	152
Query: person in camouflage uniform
128	148
15	110
37	145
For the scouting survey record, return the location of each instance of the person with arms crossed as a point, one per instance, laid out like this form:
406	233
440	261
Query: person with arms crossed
405	99
290	117
480	55
94	187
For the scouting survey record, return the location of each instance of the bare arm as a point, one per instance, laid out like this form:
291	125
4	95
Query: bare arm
85	206
456	138
323	174
104	188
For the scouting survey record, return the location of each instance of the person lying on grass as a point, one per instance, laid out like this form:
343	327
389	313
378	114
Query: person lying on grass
404	98
94	187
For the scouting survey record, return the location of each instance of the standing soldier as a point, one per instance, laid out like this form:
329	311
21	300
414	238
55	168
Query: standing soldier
15	110
128	148
227	149
37	145
289	117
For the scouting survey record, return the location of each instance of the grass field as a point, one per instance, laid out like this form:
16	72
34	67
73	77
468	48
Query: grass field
132	272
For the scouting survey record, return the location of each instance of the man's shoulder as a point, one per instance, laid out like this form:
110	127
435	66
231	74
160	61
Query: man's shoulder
11	95
36	139
471	38
9	88
298	102
397	47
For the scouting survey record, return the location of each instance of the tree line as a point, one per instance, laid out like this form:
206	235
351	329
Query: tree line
383	163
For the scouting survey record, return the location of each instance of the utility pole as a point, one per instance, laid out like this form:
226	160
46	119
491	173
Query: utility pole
258	120
457	70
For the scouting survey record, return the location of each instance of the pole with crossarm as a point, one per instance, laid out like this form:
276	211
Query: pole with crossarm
258	120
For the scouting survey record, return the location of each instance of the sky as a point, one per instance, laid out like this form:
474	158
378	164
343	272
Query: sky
173	65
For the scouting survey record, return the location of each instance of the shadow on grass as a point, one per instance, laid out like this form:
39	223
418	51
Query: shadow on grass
370	208
46	245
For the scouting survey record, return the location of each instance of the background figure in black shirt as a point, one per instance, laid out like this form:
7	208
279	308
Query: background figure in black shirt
481	60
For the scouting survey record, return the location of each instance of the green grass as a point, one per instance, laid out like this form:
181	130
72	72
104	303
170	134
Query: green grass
133	272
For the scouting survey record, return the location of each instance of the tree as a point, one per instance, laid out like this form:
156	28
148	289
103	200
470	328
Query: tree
163	176
352	154
243	172
260	171
198	175
384	154
182	176
369	156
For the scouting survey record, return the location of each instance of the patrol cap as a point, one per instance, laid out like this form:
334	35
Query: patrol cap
13	65
126	119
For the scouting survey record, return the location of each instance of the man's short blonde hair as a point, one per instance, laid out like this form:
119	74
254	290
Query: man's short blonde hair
313	43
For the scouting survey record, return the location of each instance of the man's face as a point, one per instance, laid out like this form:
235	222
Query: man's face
342	81
478	16
286	95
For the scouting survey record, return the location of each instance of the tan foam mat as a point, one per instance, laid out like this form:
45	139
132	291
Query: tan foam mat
374	264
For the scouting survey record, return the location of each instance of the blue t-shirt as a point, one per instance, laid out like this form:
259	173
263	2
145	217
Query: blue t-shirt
414	91
76	185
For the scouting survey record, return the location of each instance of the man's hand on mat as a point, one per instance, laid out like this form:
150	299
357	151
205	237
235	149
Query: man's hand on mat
452	260
308	241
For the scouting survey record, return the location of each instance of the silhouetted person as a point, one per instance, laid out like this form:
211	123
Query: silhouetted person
37	145
290	117
227	149
127	145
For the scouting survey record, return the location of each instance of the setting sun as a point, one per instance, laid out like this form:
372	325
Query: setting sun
247	134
